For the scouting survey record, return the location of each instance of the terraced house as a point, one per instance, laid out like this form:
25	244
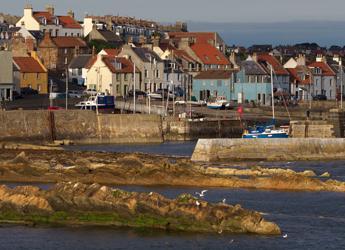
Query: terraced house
47	21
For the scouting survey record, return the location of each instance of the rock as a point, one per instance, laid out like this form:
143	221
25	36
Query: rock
325	175
100	205
309	173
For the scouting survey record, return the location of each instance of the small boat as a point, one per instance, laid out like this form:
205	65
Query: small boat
219	103
155	95
98	101
265	132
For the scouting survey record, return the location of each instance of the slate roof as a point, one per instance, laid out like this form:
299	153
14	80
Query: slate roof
110	36
252	68
80	62
145	54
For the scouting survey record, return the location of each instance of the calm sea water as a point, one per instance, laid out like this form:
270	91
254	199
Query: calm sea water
312	220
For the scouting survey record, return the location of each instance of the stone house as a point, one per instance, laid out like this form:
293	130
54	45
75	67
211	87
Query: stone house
78	68
106	36
149	64
57	53
112	75
30	73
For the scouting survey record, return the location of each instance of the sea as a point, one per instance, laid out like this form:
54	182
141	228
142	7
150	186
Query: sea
310	220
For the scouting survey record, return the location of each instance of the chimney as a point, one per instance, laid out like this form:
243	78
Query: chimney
50	9
183	43
28	10
336	58
70	13
301	60
255	57
319	57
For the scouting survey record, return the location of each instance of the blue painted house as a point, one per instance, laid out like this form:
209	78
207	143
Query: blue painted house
251	83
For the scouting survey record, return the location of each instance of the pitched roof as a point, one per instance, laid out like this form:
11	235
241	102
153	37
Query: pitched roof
183	55
214	74
296	73
80	61
271	60
253	68
325	68
200	37
65	21
126	65
68	42
28	65
110	36
112	52
209	54
146	54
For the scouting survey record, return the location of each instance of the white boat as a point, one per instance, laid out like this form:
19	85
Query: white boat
98	101
219	103
154	95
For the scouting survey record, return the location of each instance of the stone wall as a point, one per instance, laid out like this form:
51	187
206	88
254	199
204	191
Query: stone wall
311	129
293	149
191	130
79	126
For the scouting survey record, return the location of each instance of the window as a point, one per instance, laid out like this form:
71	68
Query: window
39	87
219	83
66	51
117	86
78	34
37	75
146	73
118	77
157	73
66	34
80	72
330	82
66	61
126	77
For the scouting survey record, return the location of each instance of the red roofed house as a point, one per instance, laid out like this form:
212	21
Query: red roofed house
211	38
29	72
56	53
113	75
324	78
47	21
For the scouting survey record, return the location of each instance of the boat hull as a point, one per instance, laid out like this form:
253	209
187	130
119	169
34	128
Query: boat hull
267	136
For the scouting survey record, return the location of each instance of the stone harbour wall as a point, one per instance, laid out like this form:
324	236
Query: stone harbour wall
80	126
292	149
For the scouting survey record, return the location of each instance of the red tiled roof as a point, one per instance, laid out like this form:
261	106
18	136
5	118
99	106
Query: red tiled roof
209	54
65	21
68	42
277	66
294	76
126	65
112	52
200	37
325	68
28	65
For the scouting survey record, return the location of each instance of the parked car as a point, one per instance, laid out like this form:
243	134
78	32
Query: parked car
16	95
55	108
137	93
75	94
320	98
28	91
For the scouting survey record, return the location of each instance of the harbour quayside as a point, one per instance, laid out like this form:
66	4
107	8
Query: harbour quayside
268	131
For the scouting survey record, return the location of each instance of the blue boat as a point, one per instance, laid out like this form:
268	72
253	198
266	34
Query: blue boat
265	132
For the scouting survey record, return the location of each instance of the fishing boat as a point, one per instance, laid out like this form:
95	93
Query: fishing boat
268	131
98	101
218	103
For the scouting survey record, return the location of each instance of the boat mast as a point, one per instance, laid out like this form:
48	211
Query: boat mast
272	93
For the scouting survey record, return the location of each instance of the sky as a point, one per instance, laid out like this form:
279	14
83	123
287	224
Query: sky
196	10
240	22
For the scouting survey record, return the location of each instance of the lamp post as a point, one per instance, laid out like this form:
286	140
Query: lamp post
341	83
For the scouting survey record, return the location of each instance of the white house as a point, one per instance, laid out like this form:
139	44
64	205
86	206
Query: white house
48	21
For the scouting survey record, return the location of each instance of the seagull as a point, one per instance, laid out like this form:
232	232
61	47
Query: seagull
224	201
220	231
285	236
197	203
231	241
202	194
151	193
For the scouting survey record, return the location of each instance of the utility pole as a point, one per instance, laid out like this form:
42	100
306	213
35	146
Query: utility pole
134	107
66	87
341	83
272	93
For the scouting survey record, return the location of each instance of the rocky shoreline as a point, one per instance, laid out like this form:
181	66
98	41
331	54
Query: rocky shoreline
53	166
79	204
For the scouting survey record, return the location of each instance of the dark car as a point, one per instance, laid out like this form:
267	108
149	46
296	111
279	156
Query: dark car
16	95
28	91
320	98
137	93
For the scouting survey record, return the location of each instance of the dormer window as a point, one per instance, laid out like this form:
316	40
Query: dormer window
56	21
43	20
